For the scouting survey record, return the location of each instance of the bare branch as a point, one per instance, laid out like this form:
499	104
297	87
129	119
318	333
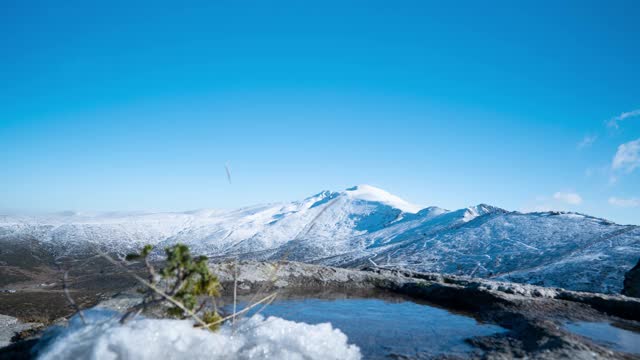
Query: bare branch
268	298
235	291
150	269
75	306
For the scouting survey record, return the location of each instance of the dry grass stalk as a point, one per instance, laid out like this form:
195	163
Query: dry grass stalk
67	293
266	299
235	291
65	279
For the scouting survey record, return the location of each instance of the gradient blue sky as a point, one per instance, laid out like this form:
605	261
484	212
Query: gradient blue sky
118	106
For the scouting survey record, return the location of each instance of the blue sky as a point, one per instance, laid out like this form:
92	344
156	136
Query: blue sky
116	106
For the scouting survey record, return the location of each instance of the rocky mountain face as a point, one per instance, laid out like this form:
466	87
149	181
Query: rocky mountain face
632	282
360	226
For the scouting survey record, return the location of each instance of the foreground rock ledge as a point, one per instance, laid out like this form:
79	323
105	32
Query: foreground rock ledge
532	314
632	282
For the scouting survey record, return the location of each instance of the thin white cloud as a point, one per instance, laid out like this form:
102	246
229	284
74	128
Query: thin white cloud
615	122
587	141
568	198
603	170
588	172
633	202
559	201
627	157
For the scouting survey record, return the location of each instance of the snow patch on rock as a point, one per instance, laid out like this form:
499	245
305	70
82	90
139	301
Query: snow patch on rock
10	326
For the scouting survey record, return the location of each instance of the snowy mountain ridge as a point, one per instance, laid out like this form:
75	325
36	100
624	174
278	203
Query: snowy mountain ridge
360	225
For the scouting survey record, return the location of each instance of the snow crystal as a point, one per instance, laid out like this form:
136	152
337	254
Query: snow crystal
103	337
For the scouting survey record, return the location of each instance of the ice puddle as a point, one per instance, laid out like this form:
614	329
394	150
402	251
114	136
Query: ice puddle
314	329
392	327
608	335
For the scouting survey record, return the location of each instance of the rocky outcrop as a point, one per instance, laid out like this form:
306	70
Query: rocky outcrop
533	316
464	293
632	282
18	338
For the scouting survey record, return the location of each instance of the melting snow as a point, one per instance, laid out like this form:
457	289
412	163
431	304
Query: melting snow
103	337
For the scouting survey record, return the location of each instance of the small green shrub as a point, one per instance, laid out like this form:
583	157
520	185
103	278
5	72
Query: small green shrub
185	279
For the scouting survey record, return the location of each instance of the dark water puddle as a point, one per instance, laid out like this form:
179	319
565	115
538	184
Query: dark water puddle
612	336
388	329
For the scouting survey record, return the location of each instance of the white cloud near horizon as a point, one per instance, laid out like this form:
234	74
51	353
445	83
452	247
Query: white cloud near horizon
632	202
559	201
587	141
627	158
568	198
615	122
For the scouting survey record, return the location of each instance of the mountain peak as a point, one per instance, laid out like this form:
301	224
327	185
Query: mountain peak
473	212
483	208
372	193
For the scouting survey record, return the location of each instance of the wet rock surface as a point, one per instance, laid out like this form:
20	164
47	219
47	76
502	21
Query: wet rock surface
533	315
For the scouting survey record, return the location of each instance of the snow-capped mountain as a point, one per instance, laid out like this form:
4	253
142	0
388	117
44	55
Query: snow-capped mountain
364	225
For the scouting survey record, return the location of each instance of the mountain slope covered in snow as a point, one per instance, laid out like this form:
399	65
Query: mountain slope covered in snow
364	225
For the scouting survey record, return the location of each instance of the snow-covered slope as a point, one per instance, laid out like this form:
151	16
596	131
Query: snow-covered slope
364	224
